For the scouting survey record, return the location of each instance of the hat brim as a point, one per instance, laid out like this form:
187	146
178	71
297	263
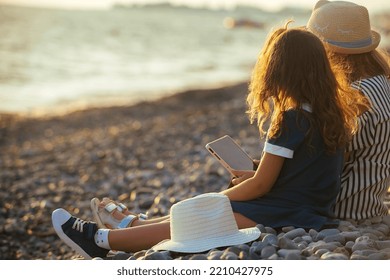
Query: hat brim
375	36
203	244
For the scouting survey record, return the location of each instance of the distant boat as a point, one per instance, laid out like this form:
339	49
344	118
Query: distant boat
230	23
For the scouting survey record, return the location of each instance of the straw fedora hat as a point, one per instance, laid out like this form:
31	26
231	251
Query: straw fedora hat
343	26
204	222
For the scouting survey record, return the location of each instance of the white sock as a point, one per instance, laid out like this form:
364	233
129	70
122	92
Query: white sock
101	238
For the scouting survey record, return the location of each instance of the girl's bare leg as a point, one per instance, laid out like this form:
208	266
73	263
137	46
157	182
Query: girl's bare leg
138	238
145	236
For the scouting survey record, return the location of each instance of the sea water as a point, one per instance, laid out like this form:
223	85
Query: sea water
67	59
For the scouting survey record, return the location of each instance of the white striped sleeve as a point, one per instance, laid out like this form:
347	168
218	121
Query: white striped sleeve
278	150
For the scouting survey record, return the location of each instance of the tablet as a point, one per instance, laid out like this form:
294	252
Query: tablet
230	154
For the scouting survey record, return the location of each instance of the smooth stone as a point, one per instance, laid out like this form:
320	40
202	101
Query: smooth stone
270	230
333	256
267	252
323	245
121	256
362	238
243	255
376	220
383	244
346	224
229	256
287	229
294	255
307	238
379	256
327	232
320	252
364	245
383	228
274	257
372	231
284	252
313	233
302	245
243	247
157	256
270	239
286	243
258	247
297	239
261	228
215	255
253	255
335	238
342	250
366	252
371	236
295	233
350	235
233	250
198	257
358	257
386	220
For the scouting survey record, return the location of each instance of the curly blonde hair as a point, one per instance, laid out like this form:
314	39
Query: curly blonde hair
293	69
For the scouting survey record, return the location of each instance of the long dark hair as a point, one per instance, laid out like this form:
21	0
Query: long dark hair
293	69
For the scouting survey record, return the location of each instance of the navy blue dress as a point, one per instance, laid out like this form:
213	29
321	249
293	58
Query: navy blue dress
307	186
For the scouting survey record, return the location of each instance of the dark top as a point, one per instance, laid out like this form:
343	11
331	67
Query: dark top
308	183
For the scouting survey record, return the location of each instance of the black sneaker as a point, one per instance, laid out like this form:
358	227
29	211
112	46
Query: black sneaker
77	234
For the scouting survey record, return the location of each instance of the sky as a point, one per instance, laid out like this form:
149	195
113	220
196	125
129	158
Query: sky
372	5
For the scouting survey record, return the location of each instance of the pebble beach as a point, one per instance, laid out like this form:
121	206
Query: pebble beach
148	156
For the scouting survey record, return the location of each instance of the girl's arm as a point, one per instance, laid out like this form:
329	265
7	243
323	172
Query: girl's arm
261	183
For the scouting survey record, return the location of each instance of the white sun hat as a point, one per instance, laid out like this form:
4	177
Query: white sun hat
204	222
343	26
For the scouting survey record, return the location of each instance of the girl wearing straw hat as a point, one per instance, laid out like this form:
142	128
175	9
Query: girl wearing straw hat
345	30
311	119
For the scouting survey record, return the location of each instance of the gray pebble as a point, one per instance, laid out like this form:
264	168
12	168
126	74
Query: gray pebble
298	232
244	255
333	256
364	245
268	251
261	228
270	239
335	237
229	256
383	244
358	257
350	235
320	252
198	257
342	250
215	255
287	229
379	256
270	230
289	254
327	232
286	243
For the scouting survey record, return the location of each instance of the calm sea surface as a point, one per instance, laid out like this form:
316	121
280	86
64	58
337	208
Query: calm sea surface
56	59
